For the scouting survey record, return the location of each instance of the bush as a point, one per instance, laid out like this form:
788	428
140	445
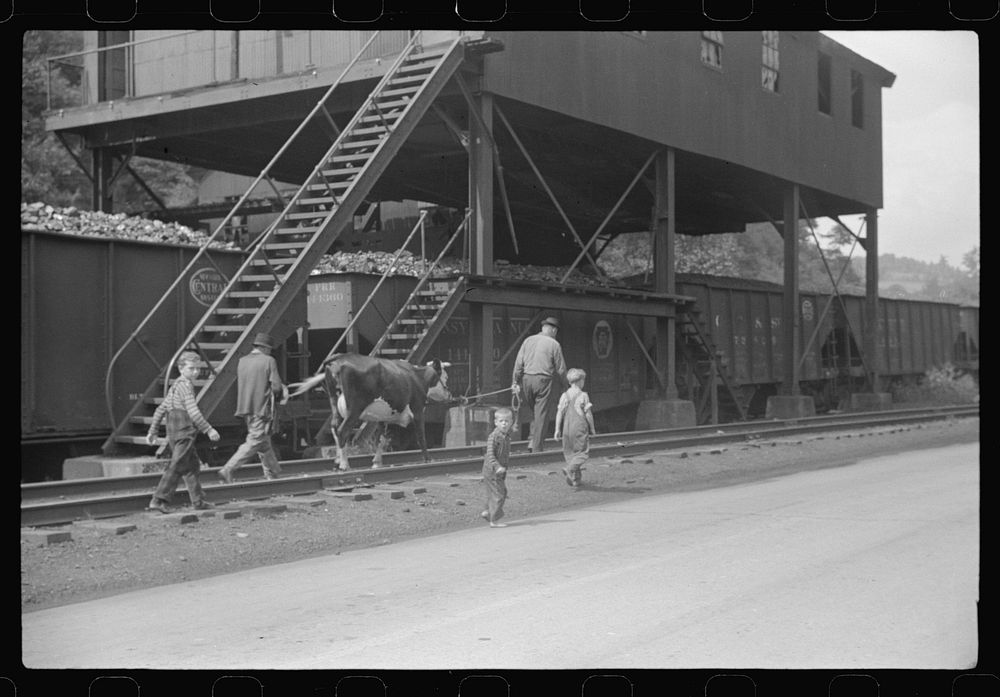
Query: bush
944	385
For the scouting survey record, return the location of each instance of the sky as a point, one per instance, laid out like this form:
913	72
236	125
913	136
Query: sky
930	141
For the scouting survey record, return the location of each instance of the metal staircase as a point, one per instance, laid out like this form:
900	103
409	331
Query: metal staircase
411	333
705	371
280	260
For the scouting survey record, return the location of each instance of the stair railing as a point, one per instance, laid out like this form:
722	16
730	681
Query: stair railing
371	296
426	275
259	242
213	237
261	239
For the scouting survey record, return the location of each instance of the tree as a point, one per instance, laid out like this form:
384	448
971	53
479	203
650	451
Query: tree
48	172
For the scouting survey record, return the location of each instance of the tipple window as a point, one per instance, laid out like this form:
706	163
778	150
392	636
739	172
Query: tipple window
769	61
711	48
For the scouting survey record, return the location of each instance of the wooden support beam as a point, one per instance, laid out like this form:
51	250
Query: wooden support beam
145	187
608	217
664	234
548	190
790	297
62	139
486	128
871	297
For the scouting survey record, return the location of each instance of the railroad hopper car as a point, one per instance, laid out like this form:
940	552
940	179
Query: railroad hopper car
81	298
744	319
741	320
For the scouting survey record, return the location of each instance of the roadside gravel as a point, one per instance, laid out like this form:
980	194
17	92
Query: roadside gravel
161	550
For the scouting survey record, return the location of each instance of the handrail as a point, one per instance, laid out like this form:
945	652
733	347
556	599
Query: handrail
266	234
205	245
385	274
426	275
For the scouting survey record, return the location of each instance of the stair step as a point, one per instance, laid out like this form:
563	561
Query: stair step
391	116
286	245
412	321
350	158
371	130
217	345
273	261
319	199
414	79
421	56
389	105
255	278
305	230
248	294
348	172
236	310
394	351
403	336
407	91
357	144
318	215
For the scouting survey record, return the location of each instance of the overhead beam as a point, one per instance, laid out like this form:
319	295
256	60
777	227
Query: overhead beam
573	299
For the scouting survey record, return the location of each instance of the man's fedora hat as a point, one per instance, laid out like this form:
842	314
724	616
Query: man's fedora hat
264	339
551	320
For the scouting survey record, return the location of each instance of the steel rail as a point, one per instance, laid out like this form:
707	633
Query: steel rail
124	495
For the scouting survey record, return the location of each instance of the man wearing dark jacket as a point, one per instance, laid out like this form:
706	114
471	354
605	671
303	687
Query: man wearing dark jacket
257	387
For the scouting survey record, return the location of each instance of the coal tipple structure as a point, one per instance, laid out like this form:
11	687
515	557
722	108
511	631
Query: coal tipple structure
546	145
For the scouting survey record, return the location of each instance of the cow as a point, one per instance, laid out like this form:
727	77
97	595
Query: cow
377	390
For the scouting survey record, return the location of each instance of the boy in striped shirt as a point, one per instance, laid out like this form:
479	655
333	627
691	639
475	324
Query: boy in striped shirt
184	420
495	467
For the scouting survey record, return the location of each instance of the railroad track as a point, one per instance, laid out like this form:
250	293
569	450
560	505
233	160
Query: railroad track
56	503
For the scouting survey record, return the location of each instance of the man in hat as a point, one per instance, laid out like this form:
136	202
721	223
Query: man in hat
257	386
538	365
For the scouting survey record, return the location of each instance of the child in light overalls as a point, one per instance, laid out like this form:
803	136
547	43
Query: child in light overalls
574	423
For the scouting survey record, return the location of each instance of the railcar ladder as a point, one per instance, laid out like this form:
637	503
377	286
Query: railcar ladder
702	357
280	261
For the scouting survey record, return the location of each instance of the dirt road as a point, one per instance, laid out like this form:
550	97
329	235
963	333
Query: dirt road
868	565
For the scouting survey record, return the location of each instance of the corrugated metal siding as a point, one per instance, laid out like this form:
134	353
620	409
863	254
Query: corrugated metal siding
205	57
180	62
658	88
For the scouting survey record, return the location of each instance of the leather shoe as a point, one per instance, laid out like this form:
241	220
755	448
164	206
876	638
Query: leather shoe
203	506
226	477
158	505
569	479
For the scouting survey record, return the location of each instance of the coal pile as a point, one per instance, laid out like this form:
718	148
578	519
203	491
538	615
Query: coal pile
410	265
73	221
379	262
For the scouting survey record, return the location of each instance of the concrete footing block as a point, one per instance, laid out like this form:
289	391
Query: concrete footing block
665	413
111	466
784	406
870	401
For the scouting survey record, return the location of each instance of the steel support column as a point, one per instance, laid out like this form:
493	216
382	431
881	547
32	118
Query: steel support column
664	231
790	298
871	297
481	203
103	172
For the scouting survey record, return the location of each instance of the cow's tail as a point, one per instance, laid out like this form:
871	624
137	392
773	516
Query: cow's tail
305	386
